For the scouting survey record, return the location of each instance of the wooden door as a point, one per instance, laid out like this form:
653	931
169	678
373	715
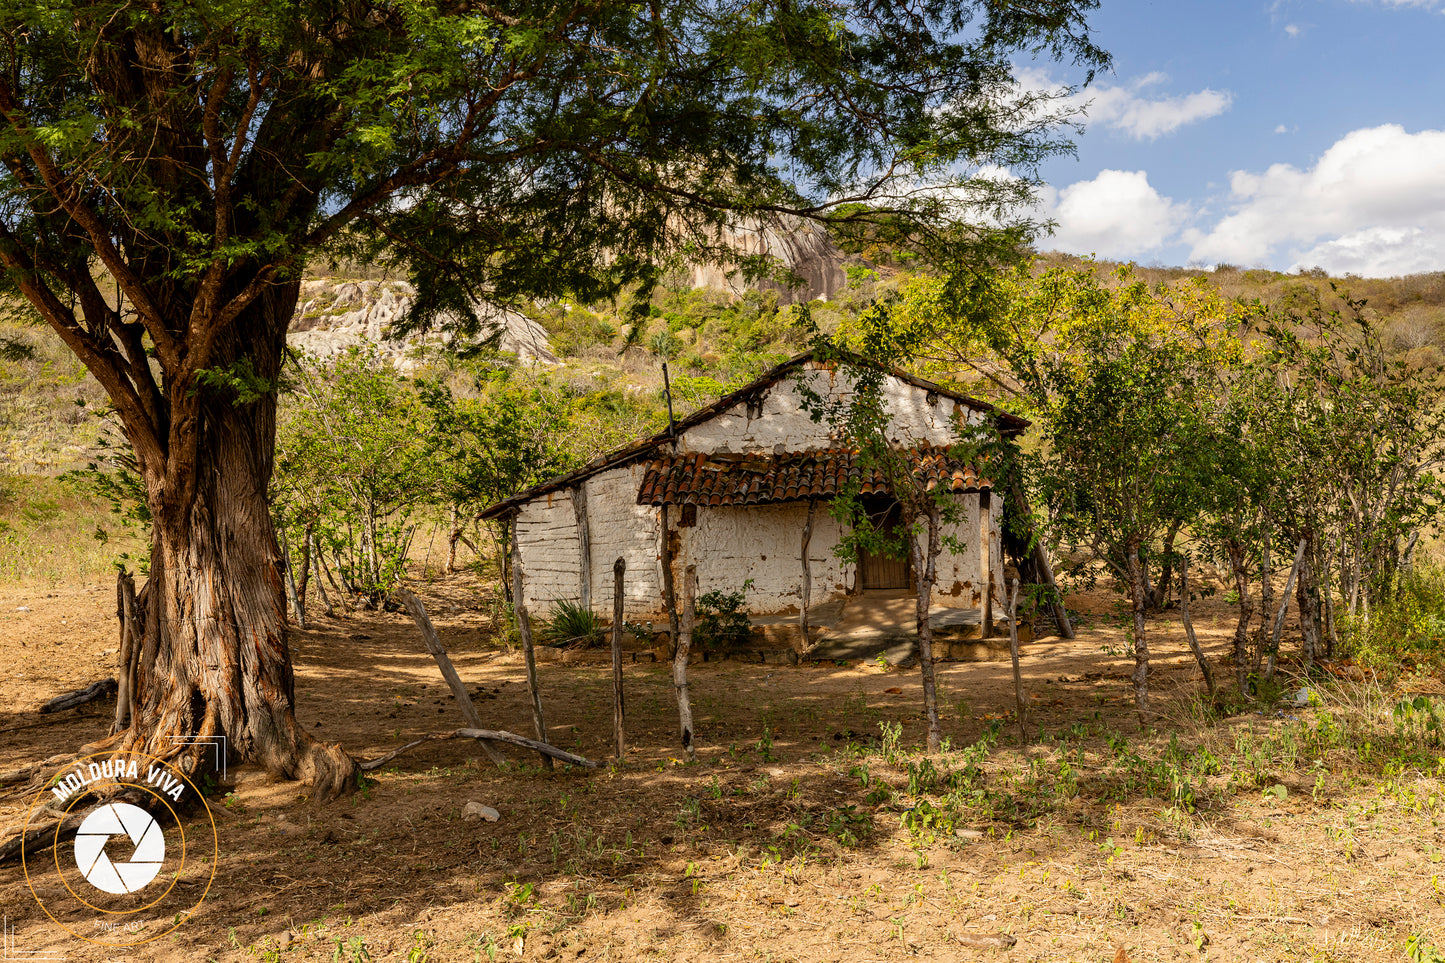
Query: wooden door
877	571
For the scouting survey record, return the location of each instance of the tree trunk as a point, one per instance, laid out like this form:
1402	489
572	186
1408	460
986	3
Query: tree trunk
524	629
1266	596
1166	569
454	535
304	581
926	574
1199	657
1240	568
292	596
318	563
1020	704
216	663
1139	597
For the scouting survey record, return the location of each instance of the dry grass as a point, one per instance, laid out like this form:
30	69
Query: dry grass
48	534
811	827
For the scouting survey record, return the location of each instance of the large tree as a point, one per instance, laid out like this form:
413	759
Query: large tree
169	167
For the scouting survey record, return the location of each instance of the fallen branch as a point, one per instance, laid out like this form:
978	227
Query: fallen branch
39	840
485	736
96	690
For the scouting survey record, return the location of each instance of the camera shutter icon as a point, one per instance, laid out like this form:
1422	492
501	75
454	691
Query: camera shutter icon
115	819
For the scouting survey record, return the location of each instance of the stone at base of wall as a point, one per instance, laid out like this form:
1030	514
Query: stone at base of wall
544	653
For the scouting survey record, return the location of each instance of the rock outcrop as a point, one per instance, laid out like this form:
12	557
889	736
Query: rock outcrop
337	315
801	247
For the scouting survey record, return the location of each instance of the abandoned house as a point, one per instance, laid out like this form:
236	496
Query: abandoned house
740	489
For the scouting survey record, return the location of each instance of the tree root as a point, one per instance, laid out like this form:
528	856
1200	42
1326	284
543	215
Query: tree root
96	690
485	736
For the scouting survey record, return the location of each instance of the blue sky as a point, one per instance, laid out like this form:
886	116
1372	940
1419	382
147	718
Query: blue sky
1274	133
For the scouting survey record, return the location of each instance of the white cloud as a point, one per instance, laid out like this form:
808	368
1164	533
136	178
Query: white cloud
1293	29
1426	4
1281	129
1118	214
1374	203
1129	108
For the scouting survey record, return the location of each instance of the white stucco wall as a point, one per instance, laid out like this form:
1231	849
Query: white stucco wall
765	543
959	583
619	527
784	421
548	545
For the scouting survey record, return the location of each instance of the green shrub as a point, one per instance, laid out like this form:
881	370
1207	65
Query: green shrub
1405	628
571	624
721	622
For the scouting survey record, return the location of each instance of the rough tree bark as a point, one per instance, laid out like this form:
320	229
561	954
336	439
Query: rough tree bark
215	661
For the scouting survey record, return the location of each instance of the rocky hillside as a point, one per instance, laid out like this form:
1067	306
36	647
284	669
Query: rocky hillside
336	314
803	248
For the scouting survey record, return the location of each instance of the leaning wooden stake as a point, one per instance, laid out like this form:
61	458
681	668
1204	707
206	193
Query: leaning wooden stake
1013	646
618	568
679	661
529	655
1299	557
449	671
1189	626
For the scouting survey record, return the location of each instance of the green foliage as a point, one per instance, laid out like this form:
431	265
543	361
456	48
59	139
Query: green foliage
1406	626
353	466
238	382
570	624
722	619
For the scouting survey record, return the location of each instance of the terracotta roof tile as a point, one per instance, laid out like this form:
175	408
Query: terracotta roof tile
702	479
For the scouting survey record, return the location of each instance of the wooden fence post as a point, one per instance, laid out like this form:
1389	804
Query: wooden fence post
524	628
679	661
618	568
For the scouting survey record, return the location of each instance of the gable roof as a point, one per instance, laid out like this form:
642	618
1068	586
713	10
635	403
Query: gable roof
1008	425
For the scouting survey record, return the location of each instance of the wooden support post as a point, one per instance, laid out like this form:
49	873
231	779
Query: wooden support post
1020	704
584	543
805	643
985	561
679	662
1189	626
444	663
524	628
669	591
618	568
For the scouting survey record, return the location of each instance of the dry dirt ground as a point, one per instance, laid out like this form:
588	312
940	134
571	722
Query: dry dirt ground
810	826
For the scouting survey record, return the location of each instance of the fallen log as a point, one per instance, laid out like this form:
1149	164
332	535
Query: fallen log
39	840
484	736
96	690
